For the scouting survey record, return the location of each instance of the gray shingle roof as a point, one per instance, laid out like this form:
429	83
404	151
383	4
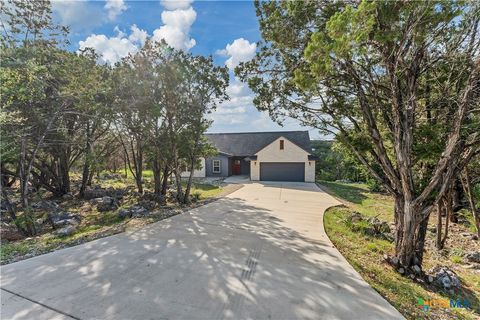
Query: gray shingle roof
249	143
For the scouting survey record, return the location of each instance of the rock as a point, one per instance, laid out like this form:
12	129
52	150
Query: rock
94	193
147	204
417	269
98	192
380	227
107	204
401	270
412	276
370	231
158	198
446	278
9	232
133	211
356	217
473	257
60	219
394	261
66	231
46	205
139	211
430	279
124	213
67	196
416	261
111	176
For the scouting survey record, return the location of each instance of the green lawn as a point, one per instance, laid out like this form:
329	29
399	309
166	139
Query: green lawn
204	190
365	254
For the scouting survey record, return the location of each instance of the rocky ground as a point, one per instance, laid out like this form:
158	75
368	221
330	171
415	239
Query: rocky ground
363	231
105	210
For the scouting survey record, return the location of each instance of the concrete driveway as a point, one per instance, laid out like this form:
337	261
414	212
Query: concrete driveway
260	253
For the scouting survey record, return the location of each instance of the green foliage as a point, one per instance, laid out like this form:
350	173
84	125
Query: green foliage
336	162
373	185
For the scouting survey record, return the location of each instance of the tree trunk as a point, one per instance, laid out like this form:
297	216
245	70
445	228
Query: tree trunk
165	180
438	242
178	181
398	214
63	175
471	199
186	198
157	176
406	234
86	164
420	239
10	208
24	174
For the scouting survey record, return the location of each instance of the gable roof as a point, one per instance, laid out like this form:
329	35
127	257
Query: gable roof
249	143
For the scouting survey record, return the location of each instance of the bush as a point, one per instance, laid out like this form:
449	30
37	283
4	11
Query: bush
456	259
196	196
373	185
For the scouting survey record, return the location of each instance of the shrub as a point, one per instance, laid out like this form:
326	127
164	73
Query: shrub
196	196
456	259
373	185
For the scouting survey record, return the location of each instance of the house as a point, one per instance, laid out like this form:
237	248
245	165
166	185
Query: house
264	156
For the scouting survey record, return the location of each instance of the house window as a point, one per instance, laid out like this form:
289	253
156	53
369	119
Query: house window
282	145
216	166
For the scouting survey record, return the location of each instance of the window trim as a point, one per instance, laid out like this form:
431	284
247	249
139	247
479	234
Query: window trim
219	166
282	144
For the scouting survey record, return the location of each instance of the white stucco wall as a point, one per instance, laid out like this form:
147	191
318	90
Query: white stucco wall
290	153
200	173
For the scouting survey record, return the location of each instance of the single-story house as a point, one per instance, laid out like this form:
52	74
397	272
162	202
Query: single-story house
264	156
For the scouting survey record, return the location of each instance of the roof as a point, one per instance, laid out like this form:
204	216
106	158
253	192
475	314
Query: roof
249	143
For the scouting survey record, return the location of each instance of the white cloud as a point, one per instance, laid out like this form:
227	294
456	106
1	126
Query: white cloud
138	35
175	31
235	110
176	28
114	8
79	15
238	51
113	49
176	4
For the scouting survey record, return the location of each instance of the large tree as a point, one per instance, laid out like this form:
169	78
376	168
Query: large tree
397	82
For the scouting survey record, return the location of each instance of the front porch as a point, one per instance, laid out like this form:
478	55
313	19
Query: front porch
238	166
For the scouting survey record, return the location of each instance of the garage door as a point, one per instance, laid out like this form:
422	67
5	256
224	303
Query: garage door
282	171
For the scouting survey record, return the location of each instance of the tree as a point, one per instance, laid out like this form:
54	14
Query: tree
30	80
205	88
398	83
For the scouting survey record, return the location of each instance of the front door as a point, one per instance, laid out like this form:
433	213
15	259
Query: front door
236	167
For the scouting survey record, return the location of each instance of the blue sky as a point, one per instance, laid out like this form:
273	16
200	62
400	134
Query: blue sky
227	30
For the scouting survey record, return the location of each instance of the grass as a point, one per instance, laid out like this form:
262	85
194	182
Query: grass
365	254
205	190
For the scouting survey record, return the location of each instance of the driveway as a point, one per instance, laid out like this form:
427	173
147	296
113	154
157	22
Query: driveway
260	253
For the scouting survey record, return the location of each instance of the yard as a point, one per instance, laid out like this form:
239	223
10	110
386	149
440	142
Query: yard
93	223
366	254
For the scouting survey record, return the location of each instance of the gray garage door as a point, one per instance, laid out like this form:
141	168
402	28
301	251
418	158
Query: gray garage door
282	171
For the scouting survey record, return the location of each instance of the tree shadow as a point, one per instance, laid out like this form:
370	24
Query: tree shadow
348	192
229	259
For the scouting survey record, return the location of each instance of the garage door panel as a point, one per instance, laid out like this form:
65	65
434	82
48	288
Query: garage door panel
282	171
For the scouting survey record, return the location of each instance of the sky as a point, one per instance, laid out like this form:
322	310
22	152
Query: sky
226	30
